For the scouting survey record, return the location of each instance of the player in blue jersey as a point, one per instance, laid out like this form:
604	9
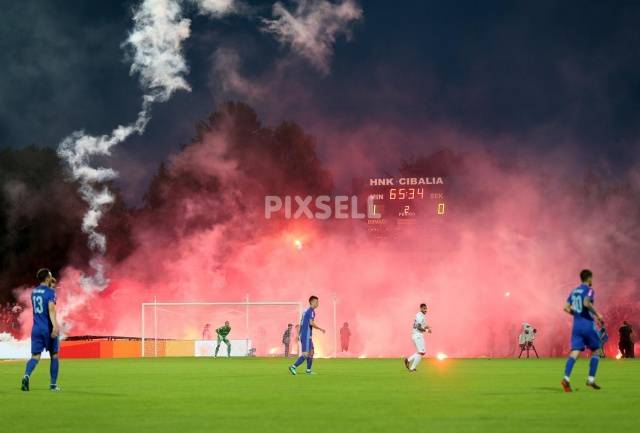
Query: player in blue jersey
44	334
584	333
307	325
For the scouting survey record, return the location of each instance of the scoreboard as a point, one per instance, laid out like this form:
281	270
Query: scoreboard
404	201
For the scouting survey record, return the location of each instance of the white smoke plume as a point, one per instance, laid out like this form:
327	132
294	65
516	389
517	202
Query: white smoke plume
155	45
217	8
312	28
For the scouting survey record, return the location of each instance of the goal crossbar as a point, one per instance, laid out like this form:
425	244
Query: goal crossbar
148	304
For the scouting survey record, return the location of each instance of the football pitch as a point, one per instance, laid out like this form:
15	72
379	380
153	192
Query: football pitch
347	395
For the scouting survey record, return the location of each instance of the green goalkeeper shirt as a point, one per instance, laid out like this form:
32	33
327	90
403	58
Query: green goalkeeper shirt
223	331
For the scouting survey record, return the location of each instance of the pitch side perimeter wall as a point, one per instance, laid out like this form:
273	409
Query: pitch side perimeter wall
126	349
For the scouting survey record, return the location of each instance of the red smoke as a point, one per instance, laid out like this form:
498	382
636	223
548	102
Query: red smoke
524	226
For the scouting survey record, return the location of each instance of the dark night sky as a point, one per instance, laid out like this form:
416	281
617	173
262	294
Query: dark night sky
565	70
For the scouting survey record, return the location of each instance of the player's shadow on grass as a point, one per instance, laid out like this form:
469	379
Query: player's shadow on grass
95	393
70	392
549	389
544	389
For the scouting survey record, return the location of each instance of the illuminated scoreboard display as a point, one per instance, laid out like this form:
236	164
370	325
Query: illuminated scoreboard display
404	201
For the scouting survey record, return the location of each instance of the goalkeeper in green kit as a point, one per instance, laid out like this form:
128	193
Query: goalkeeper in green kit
222	332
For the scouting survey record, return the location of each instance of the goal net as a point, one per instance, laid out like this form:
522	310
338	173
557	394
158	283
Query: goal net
189	328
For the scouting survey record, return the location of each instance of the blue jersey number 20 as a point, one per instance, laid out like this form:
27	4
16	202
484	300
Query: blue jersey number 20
576	303
37	304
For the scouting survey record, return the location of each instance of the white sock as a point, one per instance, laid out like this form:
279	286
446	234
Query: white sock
416	360
591	379
411	358
567	378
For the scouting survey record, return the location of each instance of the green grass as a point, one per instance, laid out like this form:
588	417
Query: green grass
349	395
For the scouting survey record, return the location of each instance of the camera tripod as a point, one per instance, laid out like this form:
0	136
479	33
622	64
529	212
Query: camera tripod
528	346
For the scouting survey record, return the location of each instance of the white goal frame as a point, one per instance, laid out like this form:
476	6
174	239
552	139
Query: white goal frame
156	304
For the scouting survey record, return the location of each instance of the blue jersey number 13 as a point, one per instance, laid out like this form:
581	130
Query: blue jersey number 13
37	304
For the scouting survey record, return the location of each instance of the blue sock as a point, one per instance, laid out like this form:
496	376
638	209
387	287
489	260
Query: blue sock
299	361
31	365
309	363
53	369
570	363
593	365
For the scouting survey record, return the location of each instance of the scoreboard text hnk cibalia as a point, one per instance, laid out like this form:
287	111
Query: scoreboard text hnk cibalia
403	200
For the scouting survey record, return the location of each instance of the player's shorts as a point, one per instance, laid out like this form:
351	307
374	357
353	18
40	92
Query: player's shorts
306	343
223	339
584	334
42	341
418	340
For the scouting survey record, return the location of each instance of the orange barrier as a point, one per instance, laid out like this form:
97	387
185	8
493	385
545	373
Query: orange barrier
125	349
155	348
100	349
179	348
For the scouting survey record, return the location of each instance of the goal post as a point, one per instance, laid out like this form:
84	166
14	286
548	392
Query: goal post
176	328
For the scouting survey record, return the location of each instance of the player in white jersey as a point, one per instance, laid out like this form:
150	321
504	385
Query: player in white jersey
419	328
